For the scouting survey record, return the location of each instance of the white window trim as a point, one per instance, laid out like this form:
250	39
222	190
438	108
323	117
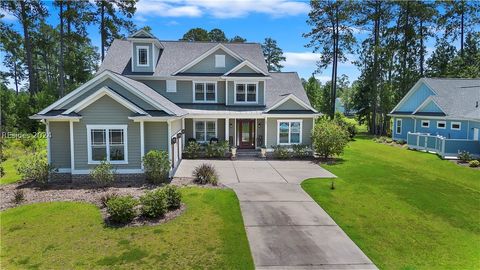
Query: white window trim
246	93
205	131
442	122
107	141
396	126
138	56
456	123
171	86
425	121
218	62
205	92
289	121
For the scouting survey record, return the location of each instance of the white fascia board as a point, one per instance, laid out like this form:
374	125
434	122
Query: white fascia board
412	90
142	31
207	53
100	93
152	118
425	103
56	118
294	98
242	64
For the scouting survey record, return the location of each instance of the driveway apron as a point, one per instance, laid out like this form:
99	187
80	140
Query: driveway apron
286	228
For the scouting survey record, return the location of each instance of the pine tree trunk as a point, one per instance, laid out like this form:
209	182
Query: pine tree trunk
422	52
62	45
332	90
334	83
102	29
15	77
32	87
462	28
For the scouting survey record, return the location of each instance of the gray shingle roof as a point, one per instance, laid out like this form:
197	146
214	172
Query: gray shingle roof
457	97
282	84
176	54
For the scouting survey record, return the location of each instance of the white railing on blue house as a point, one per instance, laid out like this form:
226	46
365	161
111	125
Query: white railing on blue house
441	145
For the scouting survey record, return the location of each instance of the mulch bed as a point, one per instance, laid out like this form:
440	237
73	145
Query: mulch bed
463	164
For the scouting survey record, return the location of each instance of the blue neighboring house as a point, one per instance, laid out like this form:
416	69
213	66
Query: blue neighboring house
440	116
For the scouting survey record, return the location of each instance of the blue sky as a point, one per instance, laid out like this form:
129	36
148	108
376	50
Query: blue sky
283	20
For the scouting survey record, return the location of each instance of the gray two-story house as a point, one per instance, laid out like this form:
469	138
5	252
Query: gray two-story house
154	94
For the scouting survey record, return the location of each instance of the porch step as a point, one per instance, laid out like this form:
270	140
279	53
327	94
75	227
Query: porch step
248	153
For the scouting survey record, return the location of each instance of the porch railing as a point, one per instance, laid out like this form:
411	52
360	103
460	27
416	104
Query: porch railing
441	145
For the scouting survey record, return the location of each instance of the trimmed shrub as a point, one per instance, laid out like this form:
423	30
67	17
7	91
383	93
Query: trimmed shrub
2	171
192	149
103	174
205	174
157	166
34	167
280	152
18	196
349	127
106	197
401	142
329	138
474	163
173	197
300	151
216	150
121	209
153	203
464	156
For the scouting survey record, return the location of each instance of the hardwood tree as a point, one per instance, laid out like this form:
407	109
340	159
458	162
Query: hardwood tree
273	55
217	35
238	39
196	34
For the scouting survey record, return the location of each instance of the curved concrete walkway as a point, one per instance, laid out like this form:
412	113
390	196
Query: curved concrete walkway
286	228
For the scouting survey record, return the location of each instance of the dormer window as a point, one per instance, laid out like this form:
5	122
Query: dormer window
219	60
142	56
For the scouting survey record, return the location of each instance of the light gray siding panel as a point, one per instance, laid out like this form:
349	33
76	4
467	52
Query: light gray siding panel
117	88
176	126
151	60
260	98
307	126
260	132
207	65
221	129
188	128
289	105
106	111
245	69
156	136
60	144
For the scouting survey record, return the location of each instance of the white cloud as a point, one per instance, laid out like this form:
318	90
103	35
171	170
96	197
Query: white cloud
221	8
300	59
172	23
7	16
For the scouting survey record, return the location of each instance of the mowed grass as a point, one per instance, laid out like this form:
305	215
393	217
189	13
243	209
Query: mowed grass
67	235
14	150
404	209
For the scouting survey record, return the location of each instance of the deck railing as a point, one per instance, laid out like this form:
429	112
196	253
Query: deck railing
441	145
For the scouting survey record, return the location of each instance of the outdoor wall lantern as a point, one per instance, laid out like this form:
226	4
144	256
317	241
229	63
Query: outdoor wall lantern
174	140
179	135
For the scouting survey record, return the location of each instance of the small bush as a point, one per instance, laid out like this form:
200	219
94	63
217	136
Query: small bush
401	142
464	156
280	152
389	140
329	138
205	174
474	163
34	167
154	203
157	166
2	171
216	150
121	209
18	196
349	127
173	197
301	151
106	197
192	149
103	174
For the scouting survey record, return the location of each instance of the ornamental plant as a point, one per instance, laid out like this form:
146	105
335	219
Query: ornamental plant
157	166
329	138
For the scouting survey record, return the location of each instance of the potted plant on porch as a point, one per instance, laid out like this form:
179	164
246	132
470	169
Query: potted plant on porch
263	151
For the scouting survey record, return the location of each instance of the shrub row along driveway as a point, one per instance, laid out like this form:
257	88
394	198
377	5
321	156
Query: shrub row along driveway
285	227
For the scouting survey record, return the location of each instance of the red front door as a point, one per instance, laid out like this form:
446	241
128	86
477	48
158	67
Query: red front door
246	133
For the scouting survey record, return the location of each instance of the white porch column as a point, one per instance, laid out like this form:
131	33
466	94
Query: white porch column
183	134
227	129
72	148
235	133
47	133
169	136
256	135
266	134
142	142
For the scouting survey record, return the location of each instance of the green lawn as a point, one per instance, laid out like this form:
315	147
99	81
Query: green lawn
66	235
404	209
15	150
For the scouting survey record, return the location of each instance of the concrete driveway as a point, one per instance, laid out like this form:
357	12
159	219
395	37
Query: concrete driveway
286	228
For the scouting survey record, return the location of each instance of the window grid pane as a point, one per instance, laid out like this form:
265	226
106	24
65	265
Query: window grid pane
210	96
199	92
251	92
240	92
142	56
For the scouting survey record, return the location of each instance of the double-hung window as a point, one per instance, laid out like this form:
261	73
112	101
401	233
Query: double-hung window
107	143
204	91
142	56
425	123
441	124
398	128
205	130
246	92
289	132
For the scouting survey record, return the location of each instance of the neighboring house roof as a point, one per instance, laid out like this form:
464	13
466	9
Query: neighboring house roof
176	55
457	98
281	85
